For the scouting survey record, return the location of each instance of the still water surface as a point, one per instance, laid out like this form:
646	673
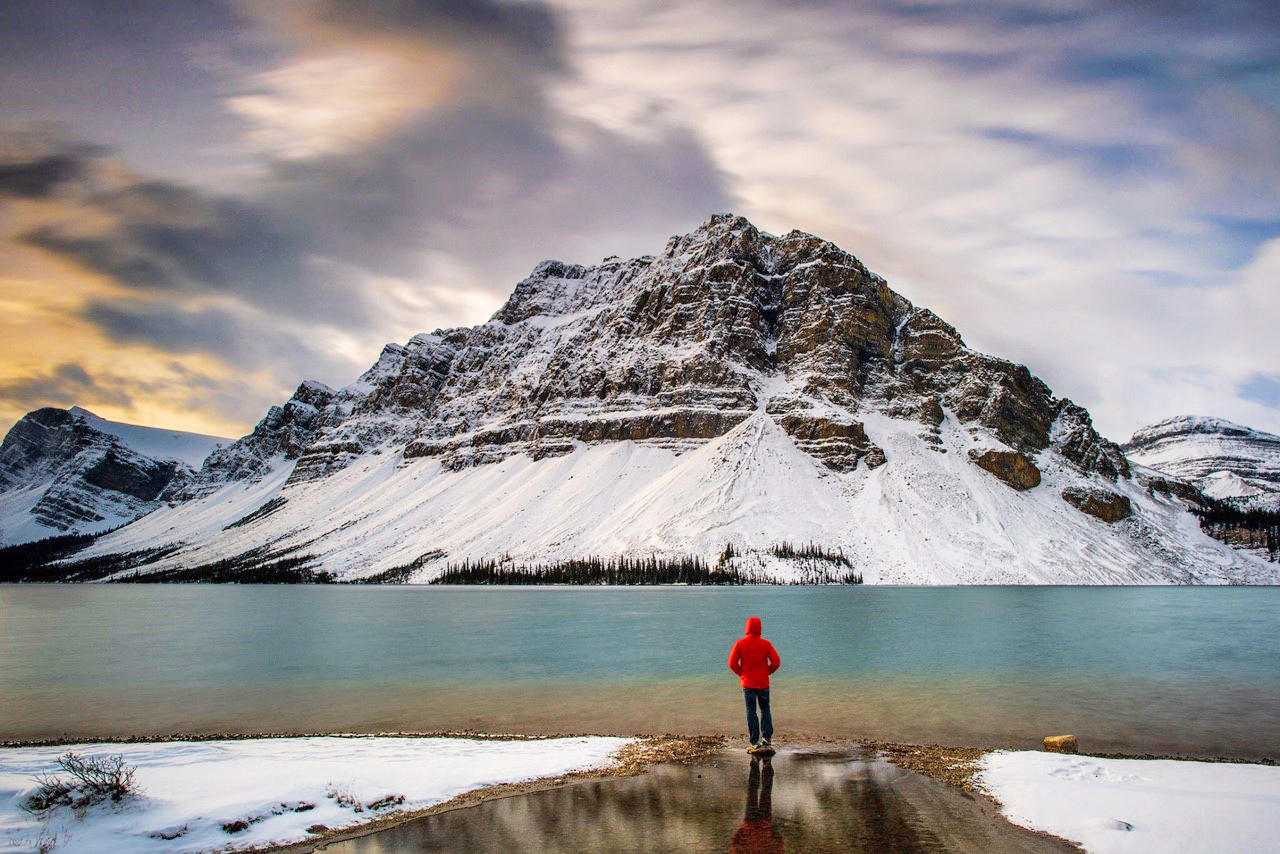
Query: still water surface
819	803
1192	670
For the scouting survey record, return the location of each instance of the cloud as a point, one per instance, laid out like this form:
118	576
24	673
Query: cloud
407	169
63	385
1071	183
119	395
352	71
38	178
244	340
1089	187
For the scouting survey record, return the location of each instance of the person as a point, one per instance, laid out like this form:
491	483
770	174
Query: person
754	660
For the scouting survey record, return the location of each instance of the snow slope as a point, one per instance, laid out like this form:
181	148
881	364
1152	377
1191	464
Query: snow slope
1139	806
192	788
925	517
156	442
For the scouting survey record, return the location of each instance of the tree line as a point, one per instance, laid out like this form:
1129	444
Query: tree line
1258	529
629	571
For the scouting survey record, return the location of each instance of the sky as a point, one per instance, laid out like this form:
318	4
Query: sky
203	204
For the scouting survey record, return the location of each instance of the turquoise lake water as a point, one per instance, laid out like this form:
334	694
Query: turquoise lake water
1181	669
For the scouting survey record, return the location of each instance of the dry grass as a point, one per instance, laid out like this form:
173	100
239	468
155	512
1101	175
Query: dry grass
955	765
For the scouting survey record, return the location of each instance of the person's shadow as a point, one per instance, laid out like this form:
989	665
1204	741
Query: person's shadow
757	835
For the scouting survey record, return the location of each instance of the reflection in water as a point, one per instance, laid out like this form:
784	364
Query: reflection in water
757	835
817	802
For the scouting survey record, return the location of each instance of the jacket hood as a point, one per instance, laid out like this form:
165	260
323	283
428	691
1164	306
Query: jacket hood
754	626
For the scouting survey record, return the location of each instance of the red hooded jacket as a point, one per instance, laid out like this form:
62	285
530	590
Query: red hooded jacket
754	658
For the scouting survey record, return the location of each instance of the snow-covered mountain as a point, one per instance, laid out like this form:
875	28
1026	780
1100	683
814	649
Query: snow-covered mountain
1226	461
738	389
71	472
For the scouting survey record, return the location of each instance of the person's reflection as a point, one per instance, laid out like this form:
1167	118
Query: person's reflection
757	835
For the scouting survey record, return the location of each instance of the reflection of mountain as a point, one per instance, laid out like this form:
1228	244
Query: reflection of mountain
1227	461
736	389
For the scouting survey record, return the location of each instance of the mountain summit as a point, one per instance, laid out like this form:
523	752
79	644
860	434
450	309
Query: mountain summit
729	398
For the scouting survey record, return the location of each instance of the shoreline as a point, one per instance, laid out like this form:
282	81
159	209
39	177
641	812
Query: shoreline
901	749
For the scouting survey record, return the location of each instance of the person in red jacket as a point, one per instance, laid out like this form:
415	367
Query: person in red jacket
754	659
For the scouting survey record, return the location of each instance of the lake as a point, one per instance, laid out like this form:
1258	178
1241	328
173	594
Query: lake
1167	670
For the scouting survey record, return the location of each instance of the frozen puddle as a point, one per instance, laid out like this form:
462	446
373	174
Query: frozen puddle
271	790
1139	805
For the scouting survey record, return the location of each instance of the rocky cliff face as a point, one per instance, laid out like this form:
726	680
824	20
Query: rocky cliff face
62	472
673	350
737	388
1225	460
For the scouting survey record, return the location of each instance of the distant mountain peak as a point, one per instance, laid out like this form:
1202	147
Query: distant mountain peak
71	471
1227	460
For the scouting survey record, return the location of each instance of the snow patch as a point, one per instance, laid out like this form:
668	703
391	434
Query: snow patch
276	787
1136	806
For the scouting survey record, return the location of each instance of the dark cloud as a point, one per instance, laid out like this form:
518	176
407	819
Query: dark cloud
167	238
67	384
39	178
245	341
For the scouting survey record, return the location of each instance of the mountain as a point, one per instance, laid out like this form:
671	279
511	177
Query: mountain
764	404
1226	461
71	472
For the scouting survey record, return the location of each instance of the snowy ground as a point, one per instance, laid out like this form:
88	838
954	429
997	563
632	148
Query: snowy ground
278	786
1136	806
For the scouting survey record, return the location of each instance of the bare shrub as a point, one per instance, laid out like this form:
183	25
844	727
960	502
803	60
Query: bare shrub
50	792
344	797
93	780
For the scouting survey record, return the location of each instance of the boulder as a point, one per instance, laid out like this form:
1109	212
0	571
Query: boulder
1012	467
1101	503
1061	744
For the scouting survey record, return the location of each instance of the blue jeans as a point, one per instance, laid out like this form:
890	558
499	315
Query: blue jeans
754	697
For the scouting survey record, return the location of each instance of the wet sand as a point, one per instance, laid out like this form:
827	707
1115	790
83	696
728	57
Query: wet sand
984	714
799	800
